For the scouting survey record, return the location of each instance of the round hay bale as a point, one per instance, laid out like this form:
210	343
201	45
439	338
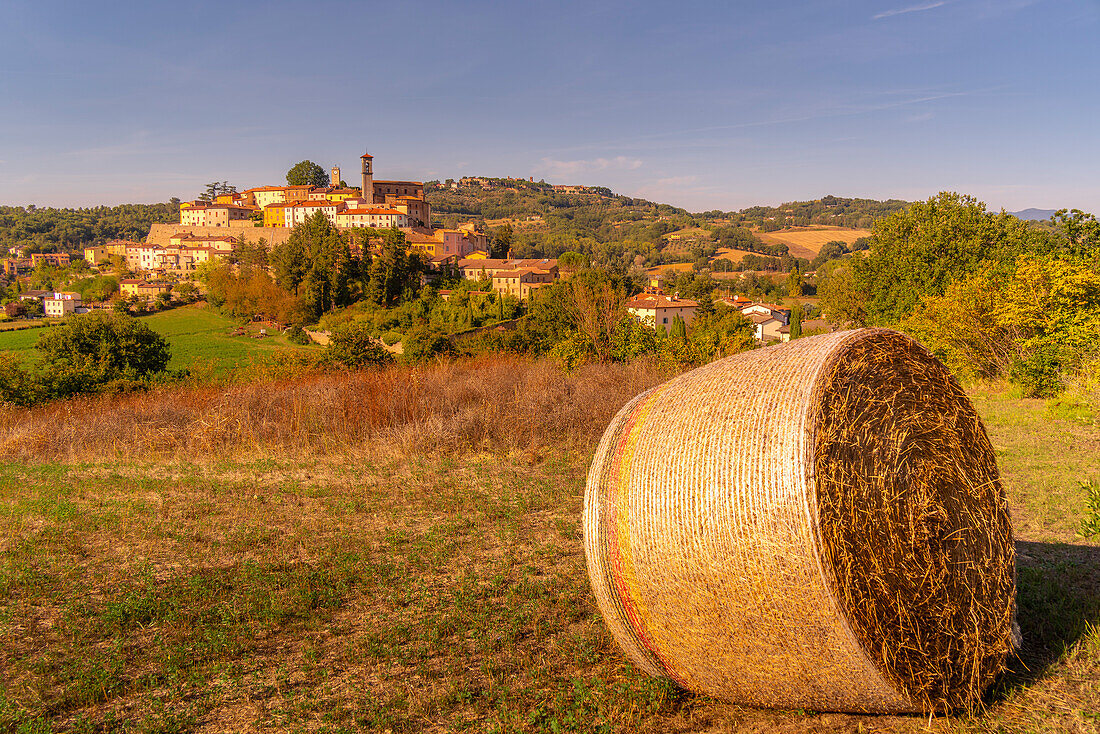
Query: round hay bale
818	524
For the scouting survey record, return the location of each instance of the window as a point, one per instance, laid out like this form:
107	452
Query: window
664	320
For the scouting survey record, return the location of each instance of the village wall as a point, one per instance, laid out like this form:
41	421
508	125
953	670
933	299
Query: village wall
159	234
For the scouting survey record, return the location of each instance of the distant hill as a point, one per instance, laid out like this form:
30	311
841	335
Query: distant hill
544	222
1037	215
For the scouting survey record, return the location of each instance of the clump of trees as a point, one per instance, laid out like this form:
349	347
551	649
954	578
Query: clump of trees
47	229
991	295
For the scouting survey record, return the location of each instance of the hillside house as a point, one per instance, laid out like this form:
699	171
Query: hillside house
299	212
767	328
217	215
371	217
657	310
98	254
54	259
520	282
779	313
60	304
17	266
143	289
486	267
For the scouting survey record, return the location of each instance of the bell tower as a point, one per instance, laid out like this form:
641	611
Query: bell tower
368	177
334	177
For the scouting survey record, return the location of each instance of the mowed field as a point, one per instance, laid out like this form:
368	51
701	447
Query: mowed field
339	554
198	336
807	241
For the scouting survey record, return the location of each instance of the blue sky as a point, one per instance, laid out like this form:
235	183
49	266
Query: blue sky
699	104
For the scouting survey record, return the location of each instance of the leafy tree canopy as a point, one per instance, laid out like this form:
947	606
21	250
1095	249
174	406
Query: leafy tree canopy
306	173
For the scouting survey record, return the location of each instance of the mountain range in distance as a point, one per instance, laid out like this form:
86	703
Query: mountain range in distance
1035	215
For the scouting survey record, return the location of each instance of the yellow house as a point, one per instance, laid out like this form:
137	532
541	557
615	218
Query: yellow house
261	196
275	214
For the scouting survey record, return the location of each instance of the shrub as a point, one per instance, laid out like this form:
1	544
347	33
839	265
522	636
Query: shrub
1090	526
423	345
1039	374
297	335
353	346
17	386
88	352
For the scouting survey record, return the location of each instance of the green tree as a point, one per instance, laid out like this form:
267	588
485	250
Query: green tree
306	173
502	241
394	273
595	304
678	329
797	314
794	282
571	261
314	264
918	251
842	299
90	351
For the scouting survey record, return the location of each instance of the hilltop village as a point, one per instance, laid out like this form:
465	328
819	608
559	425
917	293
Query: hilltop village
210	229
214	228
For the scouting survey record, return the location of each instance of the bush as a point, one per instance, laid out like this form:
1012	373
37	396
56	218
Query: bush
297	335
1039	374
17	386
423	345
1090	526
353	346
392	337
89	352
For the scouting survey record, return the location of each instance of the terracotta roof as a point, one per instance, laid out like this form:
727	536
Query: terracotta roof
653	300
389	212
313	203
759	318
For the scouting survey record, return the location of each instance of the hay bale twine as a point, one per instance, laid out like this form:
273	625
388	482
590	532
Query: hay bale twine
818	524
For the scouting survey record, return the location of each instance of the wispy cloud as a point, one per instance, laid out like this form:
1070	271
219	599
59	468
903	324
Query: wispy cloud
909	9
893	100
571	168
677	180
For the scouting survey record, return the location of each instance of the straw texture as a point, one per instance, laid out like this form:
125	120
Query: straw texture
818	525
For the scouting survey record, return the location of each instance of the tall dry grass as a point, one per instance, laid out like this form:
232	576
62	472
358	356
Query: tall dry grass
496	404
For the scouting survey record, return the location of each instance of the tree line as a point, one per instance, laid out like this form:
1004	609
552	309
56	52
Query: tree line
47	229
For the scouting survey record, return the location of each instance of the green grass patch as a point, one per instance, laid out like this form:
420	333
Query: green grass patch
202	336
199	337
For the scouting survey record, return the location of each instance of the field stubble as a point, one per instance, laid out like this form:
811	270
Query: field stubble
331	553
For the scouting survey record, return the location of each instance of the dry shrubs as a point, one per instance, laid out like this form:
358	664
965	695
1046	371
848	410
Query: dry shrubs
492	404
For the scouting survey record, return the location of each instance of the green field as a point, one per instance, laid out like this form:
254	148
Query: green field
199	337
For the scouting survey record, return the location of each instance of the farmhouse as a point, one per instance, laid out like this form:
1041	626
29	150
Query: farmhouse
658	310
60	304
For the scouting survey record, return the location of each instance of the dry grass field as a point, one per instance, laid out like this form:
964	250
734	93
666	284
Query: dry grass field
401	551
807	241
671	269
